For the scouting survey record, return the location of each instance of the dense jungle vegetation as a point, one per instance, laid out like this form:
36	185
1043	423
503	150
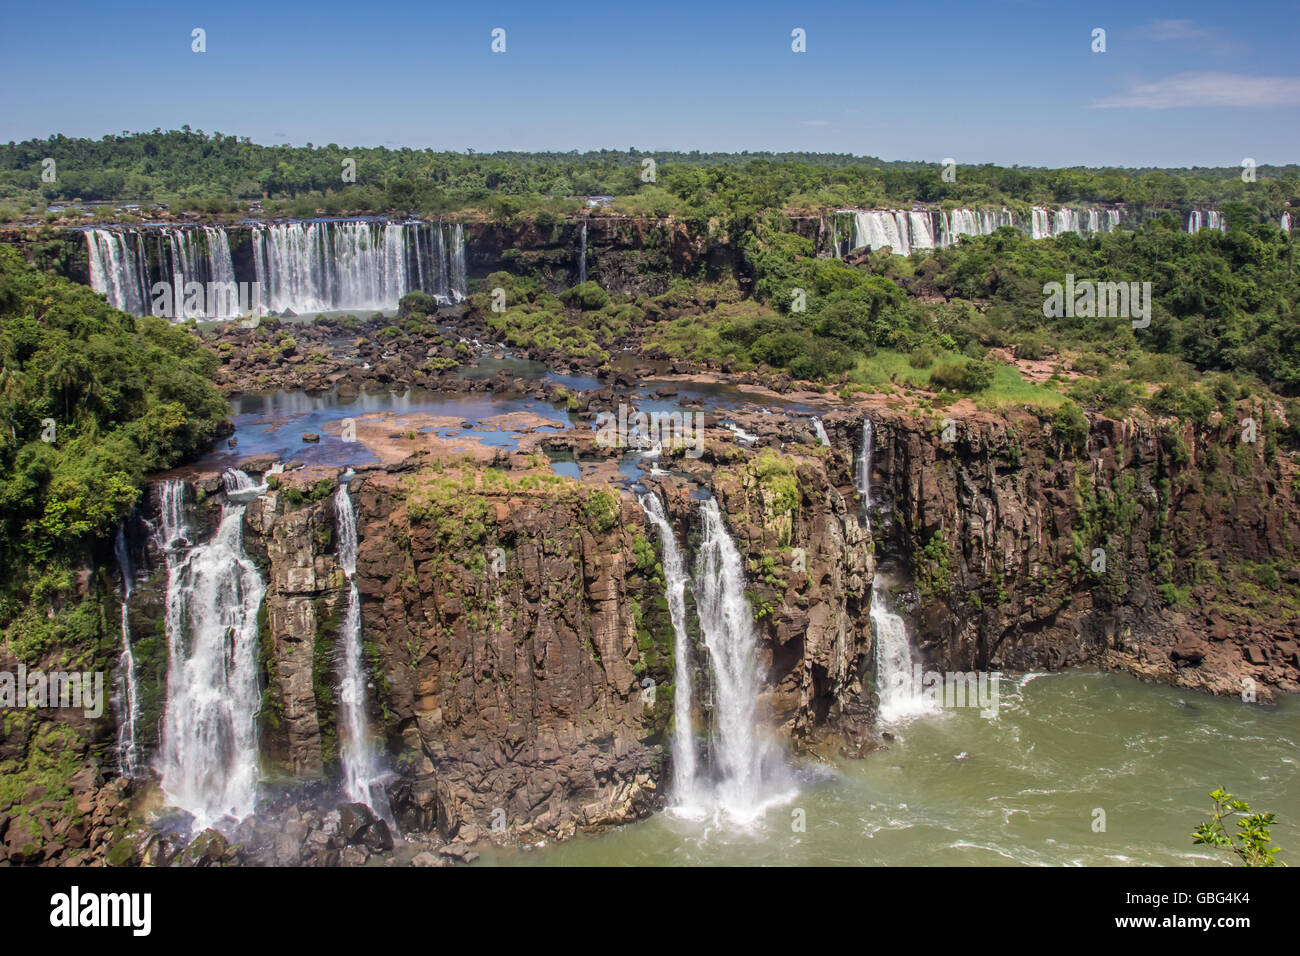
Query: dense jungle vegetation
218	174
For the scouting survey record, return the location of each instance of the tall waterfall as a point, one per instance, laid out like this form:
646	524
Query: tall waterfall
128	761
1285	224
459	273
582	255
675	580
899	691
739	749
864	465
362	779
820	429
207	758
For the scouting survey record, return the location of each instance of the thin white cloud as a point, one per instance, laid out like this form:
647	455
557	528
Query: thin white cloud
1177	30
1206	89
1189	31
815	122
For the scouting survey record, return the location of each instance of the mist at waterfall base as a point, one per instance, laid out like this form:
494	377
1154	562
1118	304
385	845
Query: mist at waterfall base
740	772
899	697
959	789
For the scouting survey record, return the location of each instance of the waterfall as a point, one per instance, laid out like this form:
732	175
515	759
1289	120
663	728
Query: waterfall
1285	224
1112	220
127	755
1205	219
363	782
675	579
122	269
820	429
739	749
875	229
207	759
969	222
920	230
1040	224
459	282
118	268
582	255
864	465
900	694
307	267
1066	220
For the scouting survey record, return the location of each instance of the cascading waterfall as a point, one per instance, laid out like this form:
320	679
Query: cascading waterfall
582	255
739	750
1285	224
207	761
362	779
122	269
459	274
820	429
968	222
119	268
900	694
684	793
864	467
1066	220
875	229
128	762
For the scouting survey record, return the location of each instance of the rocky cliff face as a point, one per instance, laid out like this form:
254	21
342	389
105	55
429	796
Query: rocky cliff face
1165	550
517	634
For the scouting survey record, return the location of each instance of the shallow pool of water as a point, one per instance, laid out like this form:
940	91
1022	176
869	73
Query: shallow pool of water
274	423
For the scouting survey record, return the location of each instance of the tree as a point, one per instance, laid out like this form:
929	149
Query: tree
1252	842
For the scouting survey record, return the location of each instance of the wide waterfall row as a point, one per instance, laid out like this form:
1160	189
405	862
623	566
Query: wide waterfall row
356	266
905	231
296	267
744	776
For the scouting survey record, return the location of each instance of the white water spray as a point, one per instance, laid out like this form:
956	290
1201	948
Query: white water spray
900	696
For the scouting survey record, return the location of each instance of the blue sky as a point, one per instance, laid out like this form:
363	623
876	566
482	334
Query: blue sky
1010	82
